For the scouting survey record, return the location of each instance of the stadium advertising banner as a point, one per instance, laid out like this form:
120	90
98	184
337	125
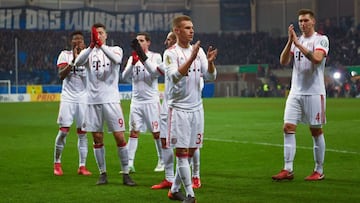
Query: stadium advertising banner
44	97
37	18
14	98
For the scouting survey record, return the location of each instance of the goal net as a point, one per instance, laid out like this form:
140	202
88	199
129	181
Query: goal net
5	87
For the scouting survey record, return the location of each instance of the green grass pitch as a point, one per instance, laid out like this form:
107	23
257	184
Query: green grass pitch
242	150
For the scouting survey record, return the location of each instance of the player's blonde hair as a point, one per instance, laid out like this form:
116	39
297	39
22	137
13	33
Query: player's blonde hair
178	19
172	35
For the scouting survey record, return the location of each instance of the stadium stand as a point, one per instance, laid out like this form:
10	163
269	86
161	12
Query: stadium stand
38	51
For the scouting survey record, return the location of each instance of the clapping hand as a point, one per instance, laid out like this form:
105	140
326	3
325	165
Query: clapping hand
139	51
211	54
135	57
94	40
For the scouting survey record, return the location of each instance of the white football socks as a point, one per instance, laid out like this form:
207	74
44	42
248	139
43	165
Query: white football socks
196	164
319	152
60	142
82	148
99	153
132	147
168	157
158	150
183	167
289	151
124	158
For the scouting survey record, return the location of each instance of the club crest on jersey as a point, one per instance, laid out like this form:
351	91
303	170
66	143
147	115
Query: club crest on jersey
173	140
168	60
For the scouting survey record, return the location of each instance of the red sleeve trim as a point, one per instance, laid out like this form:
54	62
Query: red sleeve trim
62	65
159	70
319	49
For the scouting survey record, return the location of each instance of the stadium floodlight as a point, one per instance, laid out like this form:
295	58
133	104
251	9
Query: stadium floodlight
337	75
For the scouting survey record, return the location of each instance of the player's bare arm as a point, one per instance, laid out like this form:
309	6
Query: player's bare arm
183	69
64	70
211	56
285	56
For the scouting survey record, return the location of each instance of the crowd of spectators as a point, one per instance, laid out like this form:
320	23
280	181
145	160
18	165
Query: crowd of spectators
38	50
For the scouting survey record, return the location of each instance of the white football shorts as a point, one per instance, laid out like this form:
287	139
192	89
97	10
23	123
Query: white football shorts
145	116
97	114
308	109
186	128
69	111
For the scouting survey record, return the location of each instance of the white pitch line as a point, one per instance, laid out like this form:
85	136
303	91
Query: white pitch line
278	145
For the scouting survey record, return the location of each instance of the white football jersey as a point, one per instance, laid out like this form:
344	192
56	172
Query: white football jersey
74	84
185	91
103	73
307	77
144	83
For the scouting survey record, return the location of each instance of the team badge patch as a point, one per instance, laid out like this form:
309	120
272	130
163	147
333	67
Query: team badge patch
324	43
